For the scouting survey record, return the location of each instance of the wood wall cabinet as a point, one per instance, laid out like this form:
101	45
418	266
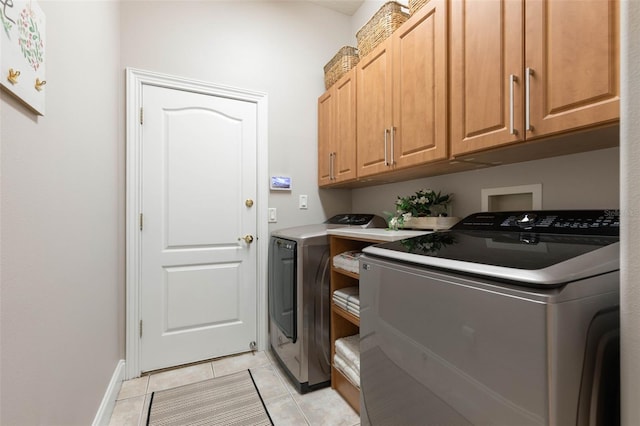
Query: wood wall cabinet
337	132
528	69
402	96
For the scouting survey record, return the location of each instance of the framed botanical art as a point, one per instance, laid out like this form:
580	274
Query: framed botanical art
22	51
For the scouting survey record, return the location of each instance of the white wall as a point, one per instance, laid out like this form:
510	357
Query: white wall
61	268
62	177
579	181
363	14
279	48
630	195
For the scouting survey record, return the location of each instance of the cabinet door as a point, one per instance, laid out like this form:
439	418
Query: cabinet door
486	74
572	50
374	110
419	133
326	137
344	161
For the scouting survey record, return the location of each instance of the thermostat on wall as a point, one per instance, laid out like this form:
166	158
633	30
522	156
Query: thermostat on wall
280	183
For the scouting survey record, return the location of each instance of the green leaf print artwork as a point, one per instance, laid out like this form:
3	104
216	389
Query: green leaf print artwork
30	41
7	23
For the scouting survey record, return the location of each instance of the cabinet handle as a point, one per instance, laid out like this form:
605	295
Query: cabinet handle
333	169
512	81
386	162
393	145
527	116
332	156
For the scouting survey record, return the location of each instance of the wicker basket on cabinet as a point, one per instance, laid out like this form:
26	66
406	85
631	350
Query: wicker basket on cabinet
381	25
346	58
415	5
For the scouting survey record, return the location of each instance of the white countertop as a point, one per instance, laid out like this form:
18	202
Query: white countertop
379	234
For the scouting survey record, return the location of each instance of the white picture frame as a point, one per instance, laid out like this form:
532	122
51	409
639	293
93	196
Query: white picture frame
22	52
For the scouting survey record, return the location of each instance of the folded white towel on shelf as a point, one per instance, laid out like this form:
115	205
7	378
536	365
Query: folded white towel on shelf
346	296
348	261
341	303
348	371
347	292
340	298
355	310
347	305
349	350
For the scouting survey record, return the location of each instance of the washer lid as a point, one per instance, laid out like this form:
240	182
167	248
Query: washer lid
304	232
548	253
338	221
545	262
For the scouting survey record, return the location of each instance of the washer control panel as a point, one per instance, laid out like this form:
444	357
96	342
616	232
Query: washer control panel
583	222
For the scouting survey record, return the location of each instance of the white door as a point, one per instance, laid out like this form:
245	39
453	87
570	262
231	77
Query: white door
198	280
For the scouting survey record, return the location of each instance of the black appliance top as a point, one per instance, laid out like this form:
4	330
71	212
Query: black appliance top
539	247
356	219
575	222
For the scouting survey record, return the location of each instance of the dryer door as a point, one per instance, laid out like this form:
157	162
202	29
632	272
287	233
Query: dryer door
282	286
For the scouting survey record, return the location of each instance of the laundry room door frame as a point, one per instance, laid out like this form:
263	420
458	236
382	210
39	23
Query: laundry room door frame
135	80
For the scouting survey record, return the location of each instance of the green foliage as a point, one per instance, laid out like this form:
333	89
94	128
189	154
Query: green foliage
423	203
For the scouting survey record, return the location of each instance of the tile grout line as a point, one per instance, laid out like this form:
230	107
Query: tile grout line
289	394
273	366
141	418
141	413
290	391
304	415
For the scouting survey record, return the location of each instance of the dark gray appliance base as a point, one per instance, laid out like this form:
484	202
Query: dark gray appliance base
302	388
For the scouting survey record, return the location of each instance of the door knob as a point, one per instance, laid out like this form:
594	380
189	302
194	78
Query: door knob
249	203
247	239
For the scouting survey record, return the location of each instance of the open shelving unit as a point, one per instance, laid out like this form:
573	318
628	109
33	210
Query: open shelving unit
344	323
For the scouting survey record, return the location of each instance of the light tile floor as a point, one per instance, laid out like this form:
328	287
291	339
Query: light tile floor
286	406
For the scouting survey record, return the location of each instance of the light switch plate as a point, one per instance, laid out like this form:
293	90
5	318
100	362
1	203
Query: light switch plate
273	215
303	202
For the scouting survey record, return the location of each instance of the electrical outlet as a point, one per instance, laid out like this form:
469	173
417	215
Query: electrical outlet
302	203
273	215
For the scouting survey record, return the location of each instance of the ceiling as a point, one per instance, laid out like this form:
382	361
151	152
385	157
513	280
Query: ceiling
348	7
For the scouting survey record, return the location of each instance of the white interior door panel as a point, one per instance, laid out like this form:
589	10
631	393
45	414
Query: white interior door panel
198	276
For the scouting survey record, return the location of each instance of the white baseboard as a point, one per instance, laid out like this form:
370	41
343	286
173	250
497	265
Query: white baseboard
109	400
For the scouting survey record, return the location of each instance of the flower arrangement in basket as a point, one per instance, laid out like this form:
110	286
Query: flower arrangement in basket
426	209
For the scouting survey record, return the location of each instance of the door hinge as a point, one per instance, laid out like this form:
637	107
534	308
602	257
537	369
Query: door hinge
141	116
141	329
141	221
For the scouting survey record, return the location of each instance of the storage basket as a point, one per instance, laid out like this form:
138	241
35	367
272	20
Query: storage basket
346	58
415	5
380	26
